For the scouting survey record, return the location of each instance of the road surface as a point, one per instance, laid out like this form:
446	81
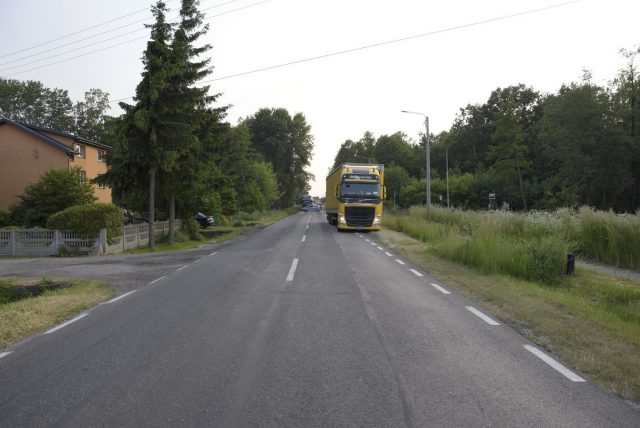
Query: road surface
296	325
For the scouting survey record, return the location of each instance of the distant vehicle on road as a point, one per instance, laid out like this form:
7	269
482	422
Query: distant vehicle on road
310	208
204	220
306	201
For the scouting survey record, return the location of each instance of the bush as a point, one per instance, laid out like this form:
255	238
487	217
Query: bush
191	228
56	190
87	220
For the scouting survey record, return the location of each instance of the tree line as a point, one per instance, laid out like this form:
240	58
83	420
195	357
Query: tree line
173	154
578	146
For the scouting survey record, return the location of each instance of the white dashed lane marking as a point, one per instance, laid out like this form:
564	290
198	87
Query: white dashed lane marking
554	364
121	296
388	254
482	316
415	272
440	289
4	354
157	279
400	261
292	270
64	324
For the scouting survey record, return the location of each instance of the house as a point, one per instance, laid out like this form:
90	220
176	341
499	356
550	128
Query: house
28	151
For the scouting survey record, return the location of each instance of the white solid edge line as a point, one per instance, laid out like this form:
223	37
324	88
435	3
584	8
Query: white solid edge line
482	316
415	272
554	364
267	227
440	289
292	270
214	253
64	324
304	238
400	261
157	279
4	354
180	268
388	254
120	297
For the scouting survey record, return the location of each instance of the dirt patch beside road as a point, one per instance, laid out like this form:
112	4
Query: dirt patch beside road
125	272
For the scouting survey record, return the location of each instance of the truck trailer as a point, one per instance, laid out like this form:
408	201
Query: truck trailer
355	192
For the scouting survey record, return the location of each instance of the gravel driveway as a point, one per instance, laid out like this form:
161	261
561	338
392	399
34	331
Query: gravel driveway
126	272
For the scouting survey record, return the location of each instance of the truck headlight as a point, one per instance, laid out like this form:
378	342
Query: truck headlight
376	220
341	219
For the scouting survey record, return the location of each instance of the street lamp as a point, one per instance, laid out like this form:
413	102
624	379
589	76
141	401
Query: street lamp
428	158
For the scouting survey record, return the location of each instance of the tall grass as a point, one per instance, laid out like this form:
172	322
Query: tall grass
609	238
531	246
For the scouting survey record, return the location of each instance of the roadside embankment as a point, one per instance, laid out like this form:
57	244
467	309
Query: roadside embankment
591	319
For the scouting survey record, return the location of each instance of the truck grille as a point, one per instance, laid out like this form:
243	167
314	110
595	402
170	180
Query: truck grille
360	216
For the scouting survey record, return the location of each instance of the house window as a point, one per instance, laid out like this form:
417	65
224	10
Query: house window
100	186
82	176
102	155
79	149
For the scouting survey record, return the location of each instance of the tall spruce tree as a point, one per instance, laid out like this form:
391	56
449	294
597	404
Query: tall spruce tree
147	136
190	105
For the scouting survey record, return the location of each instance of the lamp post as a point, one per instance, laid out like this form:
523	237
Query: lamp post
428	157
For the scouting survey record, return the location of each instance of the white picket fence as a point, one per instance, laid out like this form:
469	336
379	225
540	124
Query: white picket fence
44	242
134	235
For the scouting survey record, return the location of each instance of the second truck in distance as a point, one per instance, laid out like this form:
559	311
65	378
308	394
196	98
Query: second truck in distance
355	192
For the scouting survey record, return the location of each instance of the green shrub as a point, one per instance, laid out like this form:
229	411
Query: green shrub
87	220
55	191
546	260
191	228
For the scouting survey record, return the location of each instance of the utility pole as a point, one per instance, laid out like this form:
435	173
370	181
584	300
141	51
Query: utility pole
428	161
446	157
428	156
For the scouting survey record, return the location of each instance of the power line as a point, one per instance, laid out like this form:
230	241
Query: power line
77	32
388	42
95	35
114	45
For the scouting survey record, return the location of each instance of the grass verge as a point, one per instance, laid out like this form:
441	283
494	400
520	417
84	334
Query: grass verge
592	321
242	223
22	318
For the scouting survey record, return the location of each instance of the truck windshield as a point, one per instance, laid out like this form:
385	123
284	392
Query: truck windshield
360	190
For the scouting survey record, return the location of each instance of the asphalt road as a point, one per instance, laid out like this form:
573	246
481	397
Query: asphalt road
295	325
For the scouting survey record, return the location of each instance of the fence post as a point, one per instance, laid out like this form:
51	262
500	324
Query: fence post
13	242
103	240
124	239
56	241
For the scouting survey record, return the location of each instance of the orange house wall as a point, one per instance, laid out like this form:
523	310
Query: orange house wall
89	164
23	159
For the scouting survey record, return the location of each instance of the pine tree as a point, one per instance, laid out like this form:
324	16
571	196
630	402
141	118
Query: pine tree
190	105
147	136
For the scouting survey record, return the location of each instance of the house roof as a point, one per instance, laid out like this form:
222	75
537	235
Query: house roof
55	143
66	134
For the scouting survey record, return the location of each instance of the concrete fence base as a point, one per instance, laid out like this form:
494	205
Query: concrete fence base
44	242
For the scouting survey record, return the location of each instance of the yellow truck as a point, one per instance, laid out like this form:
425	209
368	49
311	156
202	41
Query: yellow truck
354	196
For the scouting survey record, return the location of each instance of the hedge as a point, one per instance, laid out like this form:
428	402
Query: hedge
87	220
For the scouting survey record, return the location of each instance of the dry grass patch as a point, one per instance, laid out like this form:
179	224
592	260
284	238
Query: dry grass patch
22	318
592	321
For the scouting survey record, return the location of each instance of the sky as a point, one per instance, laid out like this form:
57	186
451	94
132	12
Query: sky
341	96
